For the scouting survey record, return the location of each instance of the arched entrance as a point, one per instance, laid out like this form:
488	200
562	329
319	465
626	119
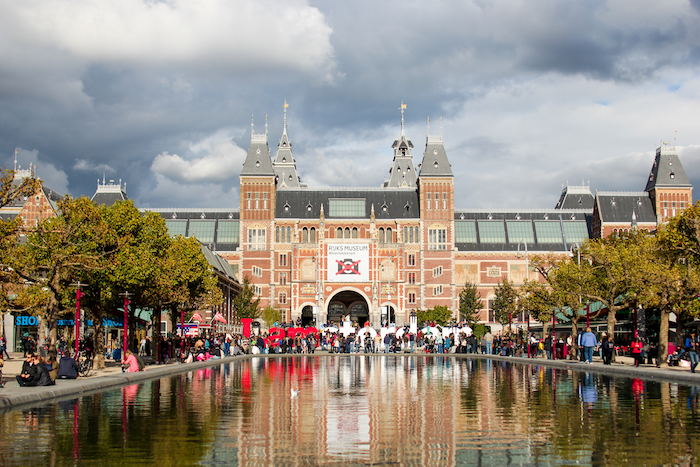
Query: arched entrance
348	302
307	315
388	315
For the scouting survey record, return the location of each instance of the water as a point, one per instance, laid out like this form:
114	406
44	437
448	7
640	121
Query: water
362	410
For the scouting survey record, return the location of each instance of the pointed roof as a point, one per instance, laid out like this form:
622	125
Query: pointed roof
625	207
403	173
109	193
258	162
576	197
667	171
284	164
435	162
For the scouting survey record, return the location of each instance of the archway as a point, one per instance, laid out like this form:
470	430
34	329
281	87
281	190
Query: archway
388	315
307	315
348	302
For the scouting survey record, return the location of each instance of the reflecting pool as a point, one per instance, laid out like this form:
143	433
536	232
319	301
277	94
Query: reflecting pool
365	410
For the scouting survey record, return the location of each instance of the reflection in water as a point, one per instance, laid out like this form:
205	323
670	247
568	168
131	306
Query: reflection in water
359	410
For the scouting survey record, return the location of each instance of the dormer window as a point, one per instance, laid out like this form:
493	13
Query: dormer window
309	207
174	216
546	217
672	175
286	207
230	215
202	216
257	163
489	217
435	164
517	216
573	217
290	177
385	208
284	159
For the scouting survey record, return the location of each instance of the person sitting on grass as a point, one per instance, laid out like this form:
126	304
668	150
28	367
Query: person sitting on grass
68	367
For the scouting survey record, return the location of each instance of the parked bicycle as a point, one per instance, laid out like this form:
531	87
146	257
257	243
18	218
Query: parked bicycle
84	364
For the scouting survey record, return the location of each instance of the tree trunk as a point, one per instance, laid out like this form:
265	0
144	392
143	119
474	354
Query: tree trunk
574	337
662	359
98	338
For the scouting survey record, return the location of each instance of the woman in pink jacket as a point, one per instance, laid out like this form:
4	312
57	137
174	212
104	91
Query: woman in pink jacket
130	364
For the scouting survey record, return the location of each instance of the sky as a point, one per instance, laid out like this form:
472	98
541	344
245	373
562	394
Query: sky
528	96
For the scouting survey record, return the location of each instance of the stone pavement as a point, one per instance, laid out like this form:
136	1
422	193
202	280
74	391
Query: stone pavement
13	396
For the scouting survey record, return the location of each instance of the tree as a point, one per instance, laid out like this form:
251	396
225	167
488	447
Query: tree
619	265
55	253
439	314
469	303
245	303
271	316
537	301
505	304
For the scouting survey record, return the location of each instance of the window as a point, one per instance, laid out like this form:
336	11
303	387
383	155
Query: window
257	271
381	235
444	201
249	195
548	232
427	197
176	227
411	277
575	231
283	260
492	314
492	232
256	239
257	205
312	235
437	272
258	290
283	278
304	235
339	233
342	207
283	298
389	235
411	259
354	232
437	239
347	232
520	231
203	230
277	234
437	290
465	232
412	297
264	200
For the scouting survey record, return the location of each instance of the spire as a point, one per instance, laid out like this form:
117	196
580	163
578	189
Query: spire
402	108
258	161
435	162
402	173
284	163
284	128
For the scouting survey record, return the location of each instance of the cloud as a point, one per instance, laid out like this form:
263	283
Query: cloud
52	177
88	166
205	35
222	163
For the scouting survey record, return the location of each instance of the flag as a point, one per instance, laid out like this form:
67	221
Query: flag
197	317
219	317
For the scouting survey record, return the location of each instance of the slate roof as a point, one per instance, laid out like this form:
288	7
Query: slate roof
220	265
618	207
507	230
109	193
667	171
185	216
258	161
576	197
284	164
389	203
435	162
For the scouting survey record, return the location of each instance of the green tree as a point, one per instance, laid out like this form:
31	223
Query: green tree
469	303
439	314
270	316
55	254
245	303
505	303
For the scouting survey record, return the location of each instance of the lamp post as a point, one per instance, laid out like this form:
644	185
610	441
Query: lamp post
126	322
182	329
78	293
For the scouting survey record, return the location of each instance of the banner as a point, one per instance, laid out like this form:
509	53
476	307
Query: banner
348	263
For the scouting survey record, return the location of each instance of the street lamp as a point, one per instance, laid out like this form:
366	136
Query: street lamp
126	320
78	294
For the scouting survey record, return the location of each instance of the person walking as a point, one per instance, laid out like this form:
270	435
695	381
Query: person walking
691	347
637	350
548	346
588	342
608	348
488	340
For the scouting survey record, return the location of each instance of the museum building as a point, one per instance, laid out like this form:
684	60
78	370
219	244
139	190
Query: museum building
380	253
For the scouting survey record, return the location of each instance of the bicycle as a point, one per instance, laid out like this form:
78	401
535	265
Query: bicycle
84	365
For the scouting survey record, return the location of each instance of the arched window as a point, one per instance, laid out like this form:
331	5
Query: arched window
339	233
289	234
354	232
417	236
347	232
277	234
312	235
381	235
405	233
305	235
389	235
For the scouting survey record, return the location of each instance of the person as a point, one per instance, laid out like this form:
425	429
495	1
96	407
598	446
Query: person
130	365
3	347
488	340
607	347
588	342
52	366
691	346
533	345
387	342
548	346
67	367
2	363
37	374
637	350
